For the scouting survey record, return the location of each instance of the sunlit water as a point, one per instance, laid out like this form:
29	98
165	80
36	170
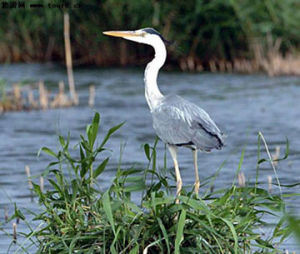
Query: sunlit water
241	105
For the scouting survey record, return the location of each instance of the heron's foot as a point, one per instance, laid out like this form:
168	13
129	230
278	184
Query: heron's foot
179	187
197	186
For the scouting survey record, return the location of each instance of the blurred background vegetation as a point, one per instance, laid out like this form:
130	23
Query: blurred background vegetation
208	34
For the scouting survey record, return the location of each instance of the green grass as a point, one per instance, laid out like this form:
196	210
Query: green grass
80	216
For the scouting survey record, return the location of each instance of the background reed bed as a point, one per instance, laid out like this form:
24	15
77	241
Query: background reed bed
213	35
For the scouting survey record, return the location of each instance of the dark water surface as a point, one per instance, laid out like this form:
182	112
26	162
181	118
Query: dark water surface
241	105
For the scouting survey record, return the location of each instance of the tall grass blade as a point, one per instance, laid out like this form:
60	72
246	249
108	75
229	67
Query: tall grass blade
271	161
179	233
100	168
165	234
107	210
234	234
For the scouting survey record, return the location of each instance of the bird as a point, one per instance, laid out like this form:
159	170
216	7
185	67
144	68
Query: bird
177	122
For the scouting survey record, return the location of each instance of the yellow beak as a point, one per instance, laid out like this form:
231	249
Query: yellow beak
121	33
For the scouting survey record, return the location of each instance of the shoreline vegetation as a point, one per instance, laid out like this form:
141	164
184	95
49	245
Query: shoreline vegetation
36	96
217	36
80	216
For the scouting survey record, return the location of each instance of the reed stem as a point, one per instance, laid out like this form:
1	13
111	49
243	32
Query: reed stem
68	54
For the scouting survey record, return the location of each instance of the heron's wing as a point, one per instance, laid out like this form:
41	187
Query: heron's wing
180	122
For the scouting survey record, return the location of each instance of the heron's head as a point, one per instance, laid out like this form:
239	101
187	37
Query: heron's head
146	36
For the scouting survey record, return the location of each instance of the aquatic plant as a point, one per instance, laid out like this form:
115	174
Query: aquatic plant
78	216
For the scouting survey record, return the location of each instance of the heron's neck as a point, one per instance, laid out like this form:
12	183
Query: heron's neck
152	93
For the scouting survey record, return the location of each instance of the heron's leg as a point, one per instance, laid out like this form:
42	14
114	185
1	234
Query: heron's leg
173	152
197	181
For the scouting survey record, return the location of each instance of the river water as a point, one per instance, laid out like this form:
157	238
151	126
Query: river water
241	105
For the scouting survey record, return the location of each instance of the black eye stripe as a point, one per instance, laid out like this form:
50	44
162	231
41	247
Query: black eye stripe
150	30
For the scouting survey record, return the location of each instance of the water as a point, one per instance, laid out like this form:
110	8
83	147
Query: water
241	105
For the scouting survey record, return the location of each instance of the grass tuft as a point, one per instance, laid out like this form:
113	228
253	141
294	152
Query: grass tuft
78	217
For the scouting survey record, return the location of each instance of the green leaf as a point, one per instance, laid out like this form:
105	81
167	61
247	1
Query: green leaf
134	207
62	141
92	130
261	161
86	147
264	243
38	191
113	249
288	185
294	224
74	189
135	179
164	231
232	229
107	210
18	213
48	151
130	171
135	250
147	151
100	168
287	149
110	132
139	186
55	185
112	246
84	167
179	233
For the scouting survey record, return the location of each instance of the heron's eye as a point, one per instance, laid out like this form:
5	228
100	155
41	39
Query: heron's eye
143	34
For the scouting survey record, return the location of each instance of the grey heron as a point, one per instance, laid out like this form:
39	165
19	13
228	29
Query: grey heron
177	122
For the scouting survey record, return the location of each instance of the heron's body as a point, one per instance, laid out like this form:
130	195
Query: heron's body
176	121
182	123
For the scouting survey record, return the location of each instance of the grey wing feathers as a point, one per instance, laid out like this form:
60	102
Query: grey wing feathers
180	122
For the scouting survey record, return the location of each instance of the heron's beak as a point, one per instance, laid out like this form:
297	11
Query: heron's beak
122	33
